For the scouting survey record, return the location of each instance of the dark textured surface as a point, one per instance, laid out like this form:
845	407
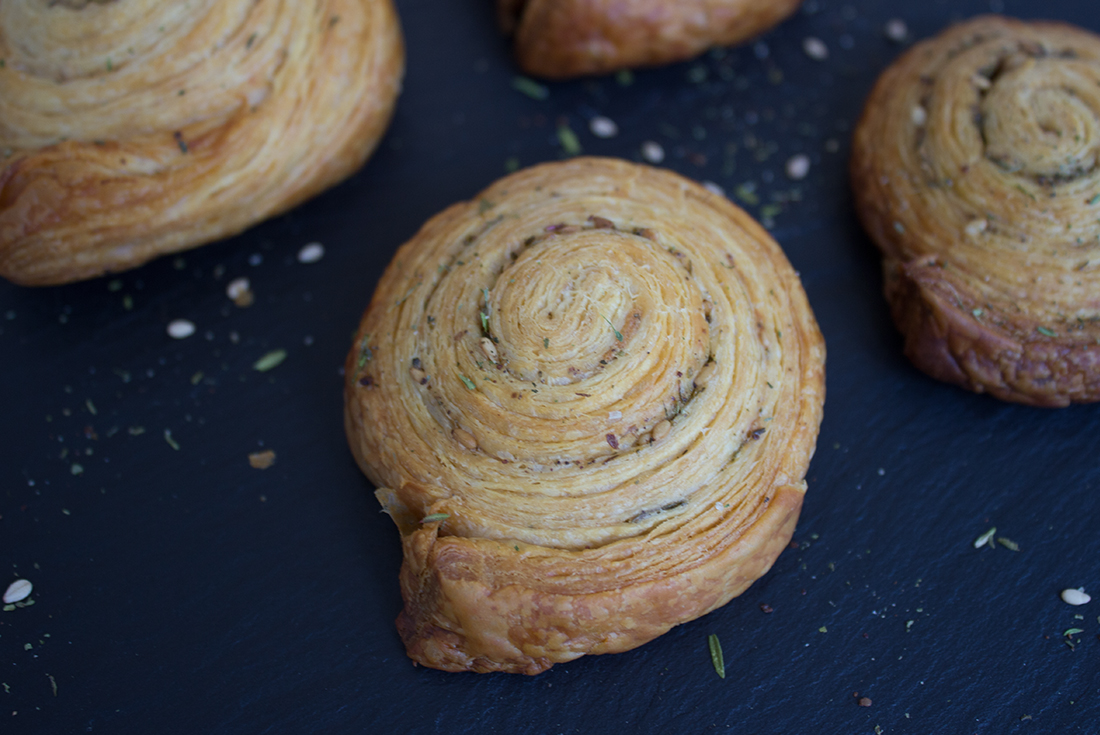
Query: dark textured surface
183	591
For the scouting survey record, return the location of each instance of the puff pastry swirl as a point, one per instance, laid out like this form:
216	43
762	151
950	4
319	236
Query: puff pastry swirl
588	399
569	38
134	128
975	169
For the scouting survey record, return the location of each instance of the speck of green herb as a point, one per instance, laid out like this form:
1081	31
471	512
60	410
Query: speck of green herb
1094	200
2	63
91	406
716	655
568	139
618	334
467	382
1025	191
697	74
484	206
110	66
546	342
484	322
182	92
984	538
269	361
978	313
770	210
251	40
365	353
180	141
127	302
530	87
1073	631
8	608
197	378
822	629
1047	332
435	517
624	77
511	164
77	469
136	430
516	547
171	442
746	192
333	21
1008	543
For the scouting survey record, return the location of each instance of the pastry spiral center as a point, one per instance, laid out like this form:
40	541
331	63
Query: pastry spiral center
561	325
1041	117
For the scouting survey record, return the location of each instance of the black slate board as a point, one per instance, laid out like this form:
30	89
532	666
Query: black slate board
183	591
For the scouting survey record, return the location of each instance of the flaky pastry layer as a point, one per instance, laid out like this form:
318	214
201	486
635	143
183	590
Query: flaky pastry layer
569	38
134	128
588	399
976	170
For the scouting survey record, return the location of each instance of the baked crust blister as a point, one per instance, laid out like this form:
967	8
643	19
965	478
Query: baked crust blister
588	398
134	128
975	170
568	38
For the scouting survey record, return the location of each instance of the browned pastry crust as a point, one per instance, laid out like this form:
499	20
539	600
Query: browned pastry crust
588	398
568	38
975	170
134	128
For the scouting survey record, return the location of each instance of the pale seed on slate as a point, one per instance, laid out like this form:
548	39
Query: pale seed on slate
18	591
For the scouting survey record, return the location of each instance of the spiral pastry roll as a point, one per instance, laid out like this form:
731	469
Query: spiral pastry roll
975	170
569	38
588	399
134	128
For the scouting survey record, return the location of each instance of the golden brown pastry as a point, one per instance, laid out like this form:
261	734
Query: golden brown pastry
134	128
975	169
568	38
588	398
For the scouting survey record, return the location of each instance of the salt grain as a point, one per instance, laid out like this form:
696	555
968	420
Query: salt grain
798	167
896	30
614	415
180	328
919	115
603	127
311	253
237	287
815	48
652	151
18	591
1069	596
976	227
714	188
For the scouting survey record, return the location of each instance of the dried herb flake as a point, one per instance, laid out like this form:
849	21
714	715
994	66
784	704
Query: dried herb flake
468	383
716	655
568	139
530	87
269	361
435	517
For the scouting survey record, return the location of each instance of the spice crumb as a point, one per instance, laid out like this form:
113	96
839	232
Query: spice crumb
864	702
262	460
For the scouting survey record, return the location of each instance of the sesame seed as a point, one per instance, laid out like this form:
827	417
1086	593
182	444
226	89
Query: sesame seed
311	253
896	30
237	287
976	227
18	591
815	48
1069	596
652	151
180	328
798	167
603	127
